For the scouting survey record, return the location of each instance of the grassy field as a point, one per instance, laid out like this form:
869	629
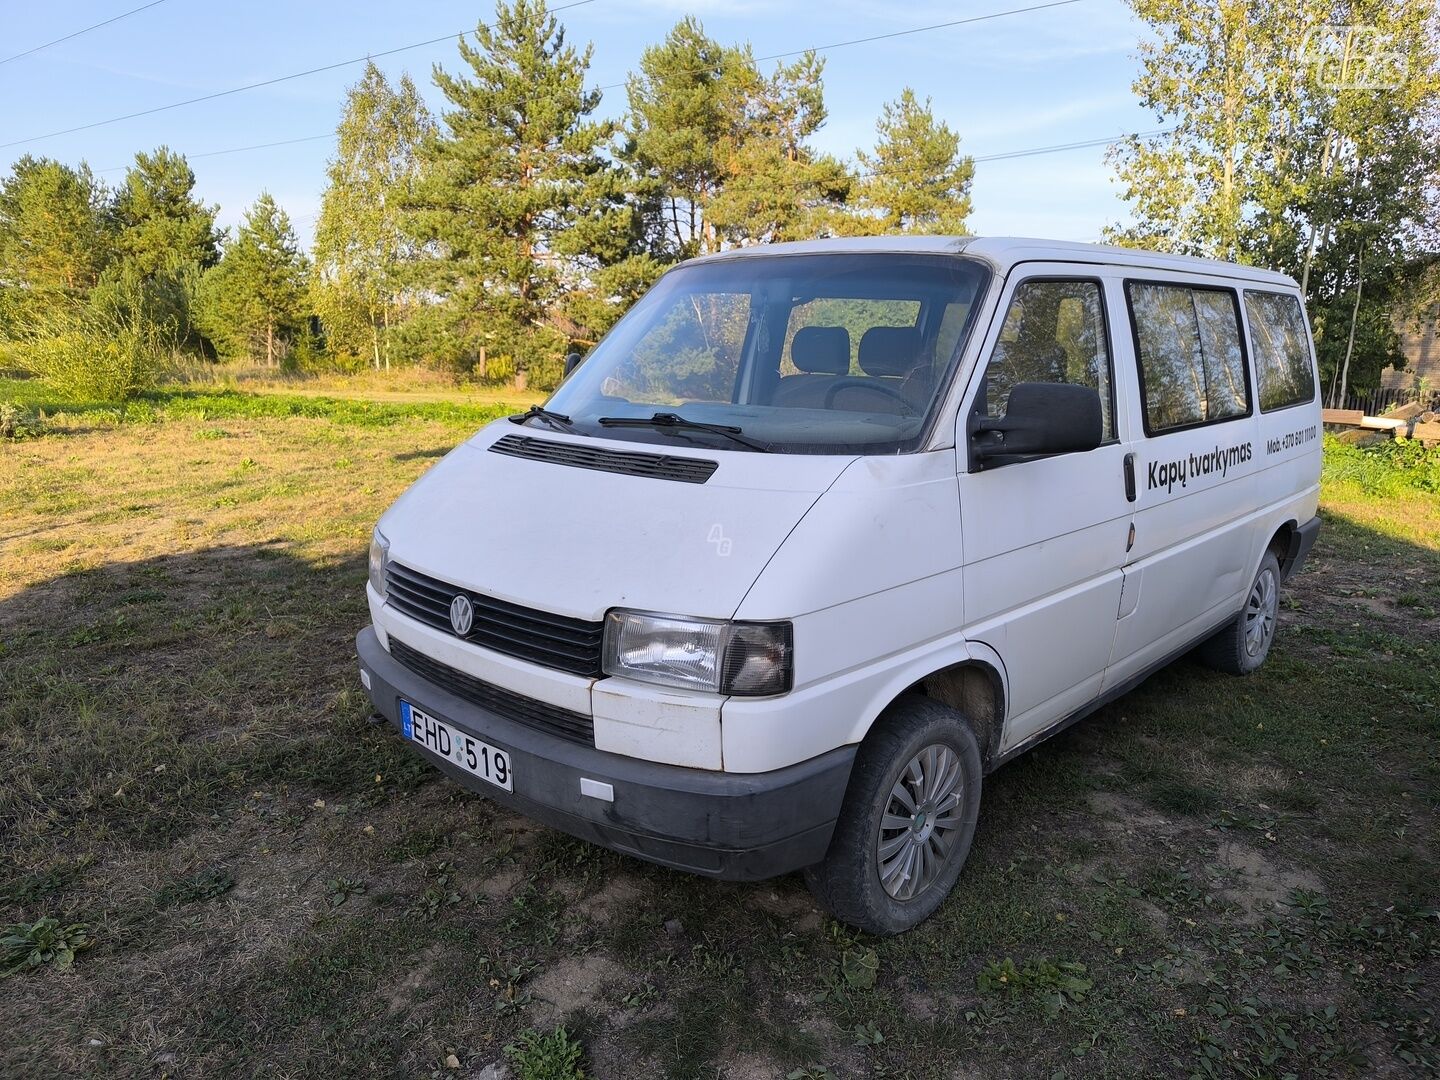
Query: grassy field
1211	877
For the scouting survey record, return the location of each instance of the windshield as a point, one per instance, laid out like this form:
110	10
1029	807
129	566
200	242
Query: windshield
802	353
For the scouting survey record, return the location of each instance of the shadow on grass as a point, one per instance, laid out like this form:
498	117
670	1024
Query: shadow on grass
139	698
144	704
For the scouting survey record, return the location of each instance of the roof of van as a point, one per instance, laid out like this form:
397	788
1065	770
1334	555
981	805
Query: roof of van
1006	251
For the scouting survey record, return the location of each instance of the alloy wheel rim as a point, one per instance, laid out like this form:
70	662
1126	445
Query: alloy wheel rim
1260	613
920	822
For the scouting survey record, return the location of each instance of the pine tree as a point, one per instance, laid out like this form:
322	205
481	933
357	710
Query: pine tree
56	236
916	181
253	301
165	239
161	226
517	200
361	250
682	105
775	185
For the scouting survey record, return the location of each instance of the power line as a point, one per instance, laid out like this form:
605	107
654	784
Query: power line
447	37
1028	152
237	149
1006	155
885	37
77	33
1057	147
257	85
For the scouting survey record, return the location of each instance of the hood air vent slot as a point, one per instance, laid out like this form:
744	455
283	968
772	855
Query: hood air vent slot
686	470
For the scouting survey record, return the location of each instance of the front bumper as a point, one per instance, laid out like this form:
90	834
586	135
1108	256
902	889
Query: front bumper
736	826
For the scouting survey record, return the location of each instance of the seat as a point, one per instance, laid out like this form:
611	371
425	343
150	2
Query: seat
822	355
889	355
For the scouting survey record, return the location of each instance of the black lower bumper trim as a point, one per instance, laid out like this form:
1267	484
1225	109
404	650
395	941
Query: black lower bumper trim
1301	541
736	826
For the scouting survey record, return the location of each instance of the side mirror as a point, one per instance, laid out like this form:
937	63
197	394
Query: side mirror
572	361
1041	419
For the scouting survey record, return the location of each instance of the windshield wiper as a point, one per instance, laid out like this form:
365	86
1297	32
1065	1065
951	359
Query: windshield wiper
663	420
558	421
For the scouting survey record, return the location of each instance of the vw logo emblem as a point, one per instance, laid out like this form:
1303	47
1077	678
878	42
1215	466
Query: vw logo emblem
462	614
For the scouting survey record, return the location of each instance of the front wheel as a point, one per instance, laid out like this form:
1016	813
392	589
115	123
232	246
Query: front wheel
908	820
1243	645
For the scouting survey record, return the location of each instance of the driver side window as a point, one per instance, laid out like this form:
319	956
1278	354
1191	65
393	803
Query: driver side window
1054	331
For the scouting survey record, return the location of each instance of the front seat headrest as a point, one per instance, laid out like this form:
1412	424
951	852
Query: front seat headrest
821	350
889	350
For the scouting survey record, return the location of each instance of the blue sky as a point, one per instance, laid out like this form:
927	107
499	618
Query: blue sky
1035	79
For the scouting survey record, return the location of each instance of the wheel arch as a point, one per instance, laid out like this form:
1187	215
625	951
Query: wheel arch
972	683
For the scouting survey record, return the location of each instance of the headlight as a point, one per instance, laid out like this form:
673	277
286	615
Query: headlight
742	658
379	553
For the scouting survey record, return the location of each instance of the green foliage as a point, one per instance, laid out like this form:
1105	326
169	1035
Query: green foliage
776	186
868	1035
556	1055
55	238
252	304
198	887
361	251
517	200
165	240
917	180
1396	467
107	349
1056	985
43	942
341	889
722	151
173	404
681	105
161	226
860	967
19	422
1266	161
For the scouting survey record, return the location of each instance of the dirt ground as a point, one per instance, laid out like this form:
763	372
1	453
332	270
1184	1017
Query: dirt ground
1211	877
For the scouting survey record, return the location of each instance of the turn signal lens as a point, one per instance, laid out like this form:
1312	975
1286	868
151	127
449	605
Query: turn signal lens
379	554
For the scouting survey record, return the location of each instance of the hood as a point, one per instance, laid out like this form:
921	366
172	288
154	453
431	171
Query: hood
578	541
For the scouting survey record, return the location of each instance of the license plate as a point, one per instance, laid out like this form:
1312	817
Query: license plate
461	750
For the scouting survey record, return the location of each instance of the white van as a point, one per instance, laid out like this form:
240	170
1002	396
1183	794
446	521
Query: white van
820	534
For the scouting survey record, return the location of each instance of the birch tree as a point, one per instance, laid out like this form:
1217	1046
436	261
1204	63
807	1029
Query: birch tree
1277	156
361	248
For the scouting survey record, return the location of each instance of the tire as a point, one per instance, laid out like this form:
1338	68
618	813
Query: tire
1243	645
919	741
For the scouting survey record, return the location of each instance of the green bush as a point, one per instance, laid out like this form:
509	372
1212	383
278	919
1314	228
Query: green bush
19	421
98	358
1398	467
110	347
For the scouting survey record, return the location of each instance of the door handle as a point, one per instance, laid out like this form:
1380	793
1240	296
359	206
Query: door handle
1130	477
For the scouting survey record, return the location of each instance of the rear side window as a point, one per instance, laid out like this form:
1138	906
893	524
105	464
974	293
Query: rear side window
1281	349
1192	364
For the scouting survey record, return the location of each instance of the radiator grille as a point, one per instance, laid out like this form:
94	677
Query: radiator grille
554	641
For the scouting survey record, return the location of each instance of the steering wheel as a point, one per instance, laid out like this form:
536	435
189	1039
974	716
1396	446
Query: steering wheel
852	382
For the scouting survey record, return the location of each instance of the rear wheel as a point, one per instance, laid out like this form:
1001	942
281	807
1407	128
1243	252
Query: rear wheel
1243	645
908	820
